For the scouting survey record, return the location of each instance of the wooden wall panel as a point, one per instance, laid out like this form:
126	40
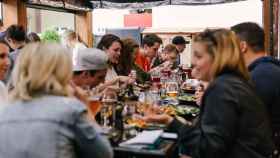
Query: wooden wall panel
83	26
14	12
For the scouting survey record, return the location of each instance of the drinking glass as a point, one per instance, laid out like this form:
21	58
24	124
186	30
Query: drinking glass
172	89
187	70
129	109
94	104
155	77
108	116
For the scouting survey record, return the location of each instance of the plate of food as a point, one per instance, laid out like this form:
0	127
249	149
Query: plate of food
187	110
137	123
180	110
186	100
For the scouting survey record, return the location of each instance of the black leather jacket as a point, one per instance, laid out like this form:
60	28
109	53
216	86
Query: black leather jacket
233	123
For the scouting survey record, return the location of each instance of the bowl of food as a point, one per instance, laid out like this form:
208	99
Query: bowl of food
183	110
187	100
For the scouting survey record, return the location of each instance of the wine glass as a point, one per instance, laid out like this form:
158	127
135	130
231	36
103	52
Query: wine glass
155	77
108	116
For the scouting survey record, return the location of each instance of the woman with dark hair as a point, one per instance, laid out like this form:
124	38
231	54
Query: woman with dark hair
112	45
233	122
127	61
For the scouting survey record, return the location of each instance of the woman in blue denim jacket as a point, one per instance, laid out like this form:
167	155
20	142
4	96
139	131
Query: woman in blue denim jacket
43	120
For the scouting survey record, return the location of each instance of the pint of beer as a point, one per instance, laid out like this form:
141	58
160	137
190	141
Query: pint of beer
94	104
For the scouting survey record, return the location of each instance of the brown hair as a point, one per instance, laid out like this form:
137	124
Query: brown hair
223	46
126	58
170	48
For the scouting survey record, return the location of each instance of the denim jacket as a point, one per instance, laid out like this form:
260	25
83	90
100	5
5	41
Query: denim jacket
50	127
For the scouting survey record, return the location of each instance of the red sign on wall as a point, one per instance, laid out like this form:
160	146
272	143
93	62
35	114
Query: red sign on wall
138	20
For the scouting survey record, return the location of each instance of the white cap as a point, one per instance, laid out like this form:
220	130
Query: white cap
91	59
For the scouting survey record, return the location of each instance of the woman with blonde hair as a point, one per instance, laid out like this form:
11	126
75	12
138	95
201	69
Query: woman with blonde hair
74	42
43	119
233	121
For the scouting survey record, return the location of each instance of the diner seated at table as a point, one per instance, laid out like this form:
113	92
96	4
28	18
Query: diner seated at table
233	121
112	45
43	118
4	60
15	37
167	58
4	66
91	68
147	54
127	61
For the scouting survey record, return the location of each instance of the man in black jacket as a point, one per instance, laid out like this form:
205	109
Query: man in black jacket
264	70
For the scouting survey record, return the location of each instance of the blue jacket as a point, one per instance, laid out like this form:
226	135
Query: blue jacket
265	72
50	127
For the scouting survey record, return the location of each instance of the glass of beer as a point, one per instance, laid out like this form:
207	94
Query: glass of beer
94	104
172	89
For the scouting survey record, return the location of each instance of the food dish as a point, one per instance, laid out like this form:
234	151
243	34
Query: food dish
180	110
187	100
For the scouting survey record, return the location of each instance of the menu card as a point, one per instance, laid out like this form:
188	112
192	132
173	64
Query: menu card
143	139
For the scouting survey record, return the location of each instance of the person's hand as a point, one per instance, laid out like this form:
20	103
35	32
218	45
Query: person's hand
83	96
111	88
198	97
123	79
167	64
153	114
126	80
79	93
200	92
158	118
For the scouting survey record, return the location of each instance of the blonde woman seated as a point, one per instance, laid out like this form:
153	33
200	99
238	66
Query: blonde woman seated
43	119
233	122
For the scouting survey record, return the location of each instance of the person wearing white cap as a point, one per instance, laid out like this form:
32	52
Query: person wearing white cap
91	68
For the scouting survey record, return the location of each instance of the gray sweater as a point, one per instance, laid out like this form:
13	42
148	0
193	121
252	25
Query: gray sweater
50	127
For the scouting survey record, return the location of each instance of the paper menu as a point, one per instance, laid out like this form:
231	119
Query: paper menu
143	138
